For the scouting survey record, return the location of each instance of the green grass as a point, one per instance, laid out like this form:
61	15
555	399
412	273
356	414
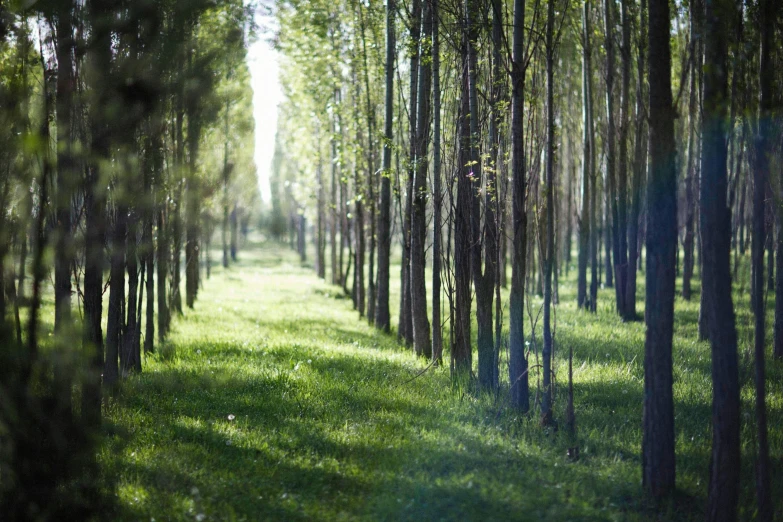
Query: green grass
272	400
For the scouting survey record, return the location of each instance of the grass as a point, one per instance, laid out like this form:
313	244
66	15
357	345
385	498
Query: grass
273	401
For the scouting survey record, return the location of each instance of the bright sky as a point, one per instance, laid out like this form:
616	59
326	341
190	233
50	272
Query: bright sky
267	94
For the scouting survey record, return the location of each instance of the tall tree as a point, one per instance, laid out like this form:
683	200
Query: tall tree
639	167
421	325
99	66
482	224
437	330
549	254
715	227
612	233
768	16
518	367
406	319
582	299
658	464
621	225
382	319
67	174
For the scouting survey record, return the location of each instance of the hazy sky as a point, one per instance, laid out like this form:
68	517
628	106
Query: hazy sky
262	60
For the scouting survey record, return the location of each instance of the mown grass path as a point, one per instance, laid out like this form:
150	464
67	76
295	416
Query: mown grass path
272	401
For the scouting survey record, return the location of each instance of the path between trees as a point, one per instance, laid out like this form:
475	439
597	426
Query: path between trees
272	401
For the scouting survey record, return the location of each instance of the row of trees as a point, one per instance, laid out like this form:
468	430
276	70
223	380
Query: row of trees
486	106
126	139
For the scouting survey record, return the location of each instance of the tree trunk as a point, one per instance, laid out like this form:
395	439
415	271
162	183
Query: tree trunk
639	168
67	175
760	177
437	330
382	315
593	179
130	359
716	277
483	280
461	351
406	319
658	461
547	415
114	318
518	367
582	299
421	325
621	225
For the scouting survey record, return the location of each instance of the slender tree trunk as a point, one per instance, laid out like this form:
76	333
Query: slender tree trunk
320	233
67	175
483	280
761	173
621	225
406	319
371	174
612	216
114	318
716	277
234	222
227	167
437	330
593	179
461	350
192	211
547	415
359	232
640	169
658	461
99	56
582	299
129	347
163	252
518	367
608	242
333	208
422	344
382	315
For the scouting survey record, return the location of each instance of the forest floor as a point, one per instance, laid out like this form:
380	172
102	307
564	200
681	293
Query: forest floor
273	401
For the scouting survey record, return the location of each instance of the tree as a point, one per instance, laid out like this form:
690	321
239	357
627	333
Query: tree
437	330
547	416
639	168
716	278
582	299
483	228
382	316
768	14
518	367
658	462
418	288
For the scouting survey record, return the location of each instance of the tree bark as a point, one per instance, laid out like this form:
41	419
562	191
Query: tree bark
66	178
99	54
461	350
483	280
547	415
622	266
437	331
658	461
421	325
582	299
716	278
382	313
406	319
518	367
760	178
640	168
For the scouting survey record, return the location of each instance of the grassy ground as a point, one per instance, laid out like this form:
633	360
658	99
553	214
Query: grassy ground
271	400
